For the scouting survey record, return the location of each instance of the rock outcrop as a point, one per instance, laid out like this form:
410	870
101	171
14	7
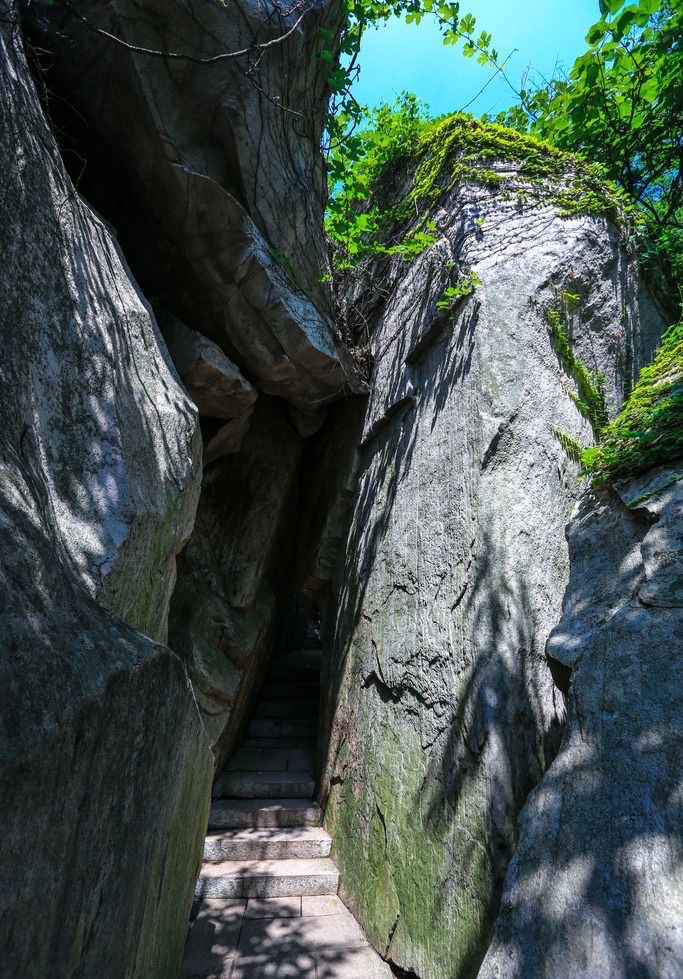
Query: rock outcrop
104	765
217	193
443	713
218	189
595	887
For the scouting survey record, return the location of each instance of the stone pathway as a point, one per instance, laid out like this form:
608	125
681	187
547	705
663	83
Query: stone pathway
267	905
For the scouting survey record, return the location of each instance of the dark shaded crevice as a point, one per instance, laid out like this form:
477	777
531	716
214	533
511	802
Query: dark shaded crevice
385	692
561	674
402	973
401	407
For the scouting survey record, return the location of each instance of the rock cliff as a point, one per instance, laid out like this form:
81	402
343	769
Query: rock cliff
595	888
492	780
443	713
104	766
217	193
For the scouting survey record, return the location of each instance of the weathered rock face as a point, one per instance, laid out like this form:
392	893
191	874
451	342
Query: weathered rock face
218	188
217	193
595	888
104	766
211	379
443	712
224	606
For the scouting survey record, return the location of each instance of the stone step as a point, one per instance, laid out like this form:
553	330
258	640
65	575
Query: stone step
303	665
291	691
305	842
264	785
243	813
263	727
275	744
286	708
271	760
267	878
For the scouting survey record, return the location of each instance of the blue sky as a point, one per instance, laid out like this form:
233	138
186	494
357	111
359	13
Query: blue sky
407	57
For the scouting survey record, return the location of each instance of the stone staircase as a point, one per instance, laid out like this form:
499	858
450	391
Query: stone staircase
266	896
265	836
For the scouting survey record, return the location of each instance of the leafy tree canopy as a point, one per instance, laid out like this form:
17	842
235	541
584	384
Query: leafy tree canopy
622	106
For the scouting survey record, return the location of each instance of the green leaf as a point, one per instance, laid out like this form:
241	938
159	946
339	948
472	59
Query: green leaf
610	6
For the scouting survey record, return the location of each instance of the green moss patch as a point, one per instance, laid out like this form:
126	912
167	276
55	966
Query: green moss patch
460	149
649	430
403	164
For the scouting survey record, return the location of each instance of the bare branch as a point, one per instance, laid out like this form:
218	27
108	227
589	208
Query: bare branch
194	59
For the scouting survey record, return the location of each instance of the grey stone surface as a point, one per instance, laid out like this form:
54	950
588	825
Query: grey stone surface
301	938
212	940
276	936
211	379
267	878
238	813
104	766
299	966
351	963
273	907
268	844
595	887
96	411
312	906
231	250
227	185
222	440
441	707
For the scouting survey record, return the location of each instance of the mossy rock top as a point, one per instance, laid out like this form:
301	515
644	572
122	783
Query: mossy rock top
461	149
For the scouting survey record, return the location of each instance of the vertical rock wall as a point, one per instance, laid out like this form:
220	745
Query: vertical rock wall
443	713
104	765
224	608
217	191
595	887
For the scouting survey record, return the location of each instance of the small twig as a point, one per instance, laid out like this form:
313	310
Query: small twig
179	56
498	71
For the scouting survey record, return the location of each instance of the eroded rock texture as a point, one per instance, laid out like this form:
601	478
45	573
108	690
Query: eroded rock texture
595	888
443	712
209	167
104	765
217	186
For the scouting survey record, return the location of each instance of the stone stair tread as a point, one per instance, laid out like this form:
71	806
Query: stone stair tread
280	727
278	744
269	868
271	833
267	843
295	665
243	813
264	785
309	690
288	709
271	760
268	878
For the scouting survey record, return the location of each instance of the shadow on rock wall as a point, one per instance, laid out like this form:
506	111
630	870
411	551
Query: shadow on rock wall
104	765
595	885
